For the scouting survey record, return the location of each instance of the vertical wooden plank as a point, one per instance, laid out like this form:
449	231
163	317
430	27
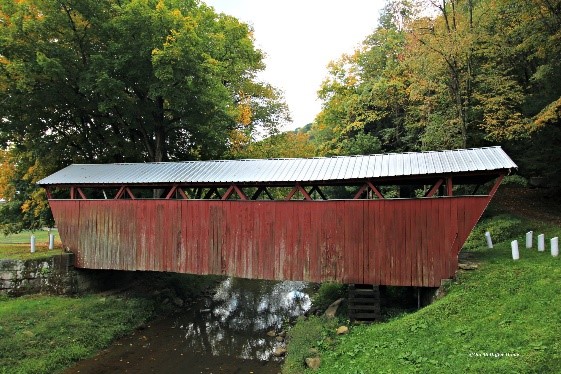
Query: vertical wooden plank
337	258
228	220
315	252
188	218
205	232
296	238
445	240
433	236
287	248
396	239
329	237
235	219
266	236
249	264
365	229
305	238
406	266
454	230
375	248
425	207
256	253
279	240
418	243
353	240
386	228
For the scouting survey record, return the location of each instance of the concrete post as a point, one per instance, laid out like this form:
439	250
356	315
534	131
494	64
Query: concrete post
541	242
489	240
514	246
51	241
529	239
555	246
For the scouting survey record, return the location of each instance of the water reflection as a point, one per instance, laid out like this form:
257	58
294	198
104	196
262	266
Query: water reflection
235	321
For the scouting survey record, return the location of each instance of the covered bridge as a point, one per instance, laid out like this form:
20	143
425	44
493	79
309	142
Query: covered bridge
386	219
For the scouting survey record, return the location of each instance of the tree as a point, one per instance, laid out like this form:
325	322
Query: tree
364	95
283	145
125	81
133	80
26	206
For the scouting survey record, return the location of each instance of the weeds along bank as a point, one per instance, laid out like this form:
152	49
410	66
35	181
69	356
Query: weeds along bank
43	333
502	318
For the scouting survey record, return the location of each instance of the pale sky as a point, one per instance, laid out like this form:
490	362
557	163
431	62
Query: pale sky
299	39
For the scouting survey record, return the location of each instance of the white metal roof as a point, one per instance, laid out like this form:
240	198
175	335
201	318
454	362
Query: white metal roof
288	169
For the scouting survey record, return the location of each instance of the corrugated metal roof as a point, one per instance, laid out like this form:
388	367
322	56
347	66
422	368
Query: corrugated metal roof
287	169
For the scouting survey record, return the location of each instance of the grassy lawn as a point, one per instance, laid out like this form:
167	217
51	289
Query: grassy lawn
17	246
504	317
45	334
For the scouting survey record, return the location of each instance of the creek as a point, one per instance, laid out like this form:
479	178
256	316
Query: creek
227	332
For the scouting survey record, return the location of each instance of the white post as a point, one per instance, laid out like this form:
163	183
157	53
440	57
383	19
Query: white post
529	239
489	240
541	242
51	241
514	246
555	246
32	243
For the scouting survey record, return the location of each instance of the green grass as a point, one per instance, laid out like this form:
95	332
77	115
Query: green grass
504	317
18	246
45	334
41	236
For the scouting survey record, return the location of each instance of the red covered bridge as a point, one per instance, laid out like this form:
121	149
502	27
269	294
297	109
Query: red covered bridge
388	219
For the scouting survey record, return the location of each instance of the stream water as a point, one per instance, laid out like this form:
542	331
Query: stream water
224	333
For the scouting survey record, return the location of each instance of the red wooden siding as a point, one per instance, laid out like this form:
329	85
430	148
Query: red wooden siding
402	242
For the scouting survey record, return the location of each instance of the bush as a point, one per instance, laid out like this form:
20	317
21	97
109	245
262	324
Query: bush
515	180
328	293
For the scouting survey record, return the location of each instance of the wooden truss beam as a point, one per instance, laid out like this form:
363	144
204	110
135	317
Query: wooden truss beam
259	191
176	189
365	187
233	188
449	187
320	192
496	186
122	191
435	187
298	187
211	191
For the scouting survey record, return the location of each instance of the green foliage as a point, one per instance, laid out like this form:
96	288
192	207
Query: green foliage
283	145
45	334
121	81
502	228
474	73
515	180
328	293
307	335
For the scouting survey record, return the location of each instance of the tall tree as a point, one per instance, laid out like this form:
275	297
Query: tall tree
364	94
126	80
